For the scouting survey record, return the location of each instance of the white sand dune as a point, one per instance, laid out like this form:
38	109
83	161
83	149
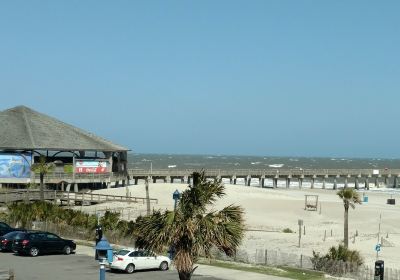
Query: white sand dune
273	210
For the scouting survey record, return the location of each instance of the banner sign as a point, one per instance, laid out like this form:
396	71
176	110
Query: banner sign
91	166
15	165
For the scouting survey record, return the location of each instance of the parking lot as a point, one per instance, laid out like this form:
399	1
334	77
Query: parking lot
62	267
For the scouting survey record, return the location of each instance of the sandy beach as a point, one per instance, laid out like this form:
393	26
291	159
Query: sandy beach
269	211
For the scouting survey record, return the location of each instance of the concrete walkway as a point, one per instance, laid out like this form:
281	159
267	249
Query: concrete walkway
205	270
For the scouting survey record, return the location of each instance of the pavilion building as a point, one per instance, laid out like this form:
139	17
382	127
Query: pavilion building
81	159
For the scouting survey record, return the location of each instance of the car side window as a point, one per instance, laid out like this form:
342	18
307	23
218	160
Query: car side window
38	236
52	236
133	254
136	254
147	254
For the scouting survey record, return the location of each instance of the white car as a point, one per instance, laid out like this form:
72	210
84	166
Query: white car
134	259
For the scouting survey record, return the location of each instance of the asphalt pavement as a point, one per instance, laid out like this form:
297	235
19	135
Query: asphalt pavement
83	266
75	266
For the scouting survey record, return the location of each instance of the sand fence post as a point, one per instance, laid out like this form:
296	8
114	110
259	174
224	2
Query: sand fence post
324	235
266	257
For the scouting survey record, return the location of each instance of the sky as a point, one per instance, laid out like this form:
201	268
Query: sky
278	78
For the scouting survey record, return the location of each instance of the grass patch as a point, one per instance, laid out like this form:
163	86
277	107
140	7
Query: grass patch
292	273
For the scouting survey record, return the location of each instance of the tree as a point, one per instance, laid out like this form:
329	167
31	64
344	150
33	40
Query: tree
192	230
43	168
350	197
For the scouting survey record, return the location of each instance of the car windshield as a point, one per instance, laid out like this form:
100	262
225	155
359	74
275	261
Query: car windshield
122	252
20	235
11	234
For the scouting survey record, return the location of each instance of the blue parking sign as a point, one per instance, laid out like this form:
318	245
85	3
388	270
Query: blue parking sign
378	247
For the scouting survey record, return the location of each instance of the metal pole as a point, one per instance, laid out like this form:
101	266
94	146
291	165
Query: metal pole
102	271
147	196
299	236
379	233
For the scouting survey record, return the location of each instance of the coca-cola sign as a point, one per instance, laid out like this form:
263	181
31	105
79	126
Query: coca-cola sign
91	166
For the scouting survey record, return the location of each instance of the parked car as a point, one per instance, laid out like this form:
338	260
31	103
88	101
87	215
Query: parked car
5	228
7	240
38	242
130	260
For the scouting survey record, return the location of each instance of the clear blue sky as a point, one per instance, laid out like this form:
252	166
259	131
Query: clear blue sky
286	78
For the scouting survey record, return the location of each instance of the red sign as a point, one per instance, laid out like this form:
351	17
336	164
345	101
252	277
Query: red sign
90	170
91	166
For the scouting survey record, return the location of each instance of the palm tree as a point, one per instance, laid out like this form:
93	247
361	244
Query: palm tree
350	197
191	230
42	167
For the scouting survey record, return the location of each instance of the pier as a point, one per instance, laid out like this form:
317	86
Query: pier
360	177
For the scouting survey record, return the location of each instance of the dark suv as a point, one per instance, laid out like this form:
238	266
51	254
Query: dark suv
5	228
39	242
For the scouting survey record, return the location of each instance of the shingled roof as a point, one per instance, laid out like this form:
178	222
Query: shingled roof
22	128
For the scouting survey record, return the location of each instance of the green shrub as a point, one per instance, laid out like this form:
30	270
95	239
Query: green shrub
287	230
337	261
68	168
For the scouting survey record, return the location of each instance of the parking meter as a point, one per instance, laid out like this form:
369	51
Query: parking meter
104	253
379	270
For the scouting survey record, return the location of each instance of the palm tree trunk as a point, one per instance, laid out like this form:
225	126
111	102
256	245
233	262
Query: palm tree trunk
184	275
346	226
41	187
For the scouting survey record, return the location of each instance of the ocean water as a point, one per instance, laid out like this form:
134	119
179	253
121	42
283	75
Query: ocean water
198	162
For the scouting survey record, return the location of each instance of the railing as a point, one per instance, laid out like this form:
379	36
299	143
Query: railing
266	172
62	176
32	195
59	177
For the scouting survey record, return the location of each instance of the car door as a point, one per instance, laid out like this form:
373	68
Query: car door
150	259
138	259
38	240
54	243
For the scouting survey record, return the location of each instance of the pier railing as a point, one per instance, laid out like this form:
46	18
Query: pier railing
267	172
59	177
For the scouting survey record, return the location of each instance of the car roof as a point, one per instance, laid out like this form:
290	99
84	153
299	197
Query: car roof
128	249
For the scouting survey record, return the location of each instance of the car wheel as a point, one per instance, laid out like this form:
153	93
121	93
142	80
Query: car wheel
130	268
34	251
67	250
164	266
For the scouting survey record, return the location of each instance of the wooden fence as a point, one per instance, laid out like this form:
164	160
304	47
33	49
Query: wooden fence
68	197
